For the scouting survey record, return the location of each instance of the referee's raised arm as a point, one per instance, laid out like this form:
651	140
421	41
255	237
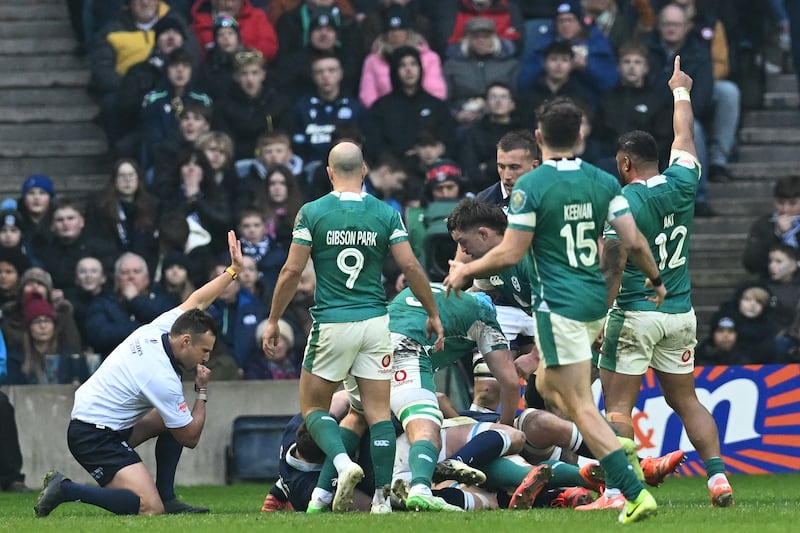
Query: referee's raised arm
205	295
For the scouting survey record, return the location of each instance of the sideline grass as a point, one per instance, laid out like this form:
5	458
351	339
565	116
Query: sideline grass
767	503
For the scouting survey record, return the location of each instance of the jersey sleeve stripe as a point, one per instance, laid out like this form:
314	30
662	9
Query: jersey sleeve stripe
617	207
301	236
523	221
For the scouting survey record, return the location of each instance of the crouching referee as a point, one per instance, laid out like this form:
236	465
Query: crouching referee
136	395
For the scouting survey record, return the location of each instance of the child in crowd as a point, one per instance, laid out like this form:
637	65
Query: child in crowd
36	209
272	149
754	318
90	282
720	348
217	74
175	276
284	363
218	147
279	200
12	264
265	251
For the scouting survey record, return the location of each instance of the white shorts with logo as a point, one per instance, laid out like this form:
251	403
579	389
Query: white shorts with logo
564	341
514	321
363	349
636	340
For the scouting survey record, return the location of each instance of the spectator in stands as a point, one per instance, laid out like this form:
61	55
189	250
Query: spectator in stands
385	180
317	115
175	235
283	365
377	76
90	282
251	107
138	81
781	226
11	477
269	254
123	213
479	59
292	73
594	63
721	348
715	147
162	107
395	119
298	312
755	324
673	37
294	25
455	14
38	281
35	206
538	17
618	24
557	79
175	276
11	237
71	242
272	149
218	147
478	154
429	147
278	201
216	75
194	194
255	28
237	313
12	264
443	182
44	359
422	13
112	317
252	279
784	282
194	120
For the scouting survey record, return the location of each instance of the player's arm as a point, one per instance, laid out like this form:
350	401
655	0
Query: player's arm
189	435
420	286
638	250
682	117
285	288
501	363
205	295
509	252
612	263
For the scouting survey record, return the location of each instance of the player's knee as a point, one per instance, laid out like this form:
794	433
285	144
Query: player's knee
150	505
517	440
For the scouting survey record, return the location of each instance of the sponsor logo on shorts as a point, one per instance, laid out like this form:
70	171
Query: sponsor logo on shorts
400	375
686	359
386	361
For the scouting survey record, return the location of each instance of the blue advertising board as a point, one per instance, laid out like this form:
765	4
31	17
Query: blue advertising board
757	409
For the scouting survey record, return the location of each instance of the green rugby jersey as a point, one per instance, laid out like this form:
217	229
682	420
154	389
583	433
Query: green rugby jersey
663	207
349	235
512	285
467	324
565	204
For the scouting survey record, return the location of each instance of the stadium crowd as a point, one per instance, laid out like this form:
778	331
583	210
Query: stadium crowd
221	114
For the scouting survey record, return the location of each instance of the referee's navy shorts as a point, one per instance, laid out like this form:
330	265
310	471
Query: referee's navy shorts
101	451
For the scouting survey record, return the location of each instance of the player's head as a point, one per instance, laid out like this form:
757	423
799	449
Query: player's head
192	338
346	163
636	150
559	124
476	226
306	447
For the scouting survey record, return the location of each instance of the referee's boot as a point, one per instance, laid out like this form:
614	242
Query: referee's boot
175	506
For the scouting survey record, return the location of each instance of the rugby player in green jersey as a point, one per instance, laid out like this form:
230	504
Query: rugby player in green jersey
556	214
348	234
638	335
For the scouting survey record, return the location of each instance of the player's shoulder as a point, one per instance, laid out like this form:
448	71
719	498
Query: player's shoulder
682	164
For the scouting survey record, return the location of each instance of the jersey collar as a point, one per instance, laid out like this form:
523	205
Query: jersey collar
171	355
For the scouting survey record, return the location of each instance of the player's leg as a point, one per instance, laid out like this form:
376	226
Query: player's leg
482	442
565	382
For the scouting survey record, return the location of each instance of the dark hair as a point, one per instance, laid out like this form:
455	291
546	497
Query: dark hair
519	140
173	231
639	146
499	85
64	202
394	65
270	209
787	187
194	322
307	447
207	186
190	105
470	214
108	199
323	54
561	48
426	137
179	55
792	252
633	47
347	131
560	122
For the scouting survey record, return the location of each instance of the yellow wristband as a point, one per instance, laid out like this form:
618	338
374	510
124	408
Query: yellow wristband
681	93
232	272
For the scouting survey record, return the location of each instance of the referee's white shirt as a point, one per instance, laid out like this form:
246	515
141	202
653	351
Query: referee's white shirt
137	376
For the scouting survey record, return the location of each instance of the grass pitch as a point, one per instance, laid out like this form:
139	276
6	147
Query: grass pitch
766	503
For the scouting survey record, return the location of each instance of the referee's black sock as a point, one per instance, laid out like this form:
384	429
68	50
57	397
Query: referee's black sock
168	453
118	501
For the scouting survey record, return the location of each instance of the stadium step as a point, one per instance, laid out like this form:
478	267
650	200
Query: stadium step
781	100
25	28
53	131
45	78
762	170
753	153
14	11
771	118
18	168
76	185
762	135
33	113
784	83
61	147
52	95
65	61
37	46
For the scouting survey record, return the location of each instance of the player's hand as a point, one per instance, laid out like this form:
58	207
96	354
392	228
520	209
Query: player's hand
455	278
679	78
661	293
269	341
597	345
203	375
235	250
434	329
526	364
